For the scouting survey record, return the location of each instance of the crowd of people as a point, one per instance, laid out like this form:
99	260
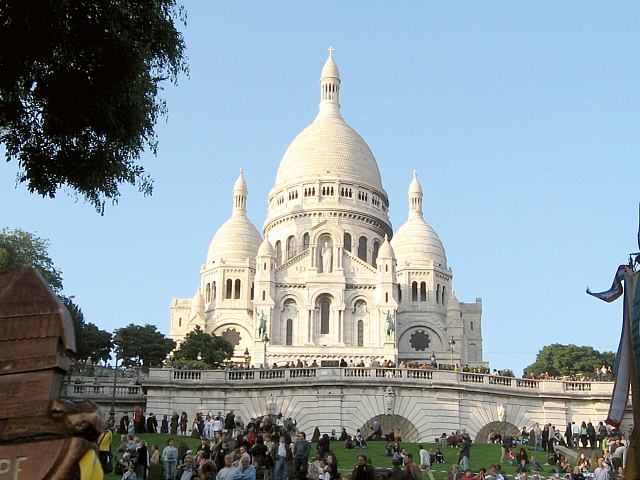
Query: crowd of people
272	448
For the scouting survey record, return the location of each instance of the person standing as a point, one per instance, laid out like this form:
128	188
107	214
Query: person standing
411	470
363	469
175	419
425	459
104	449
301	451
282	457
170	459
465	453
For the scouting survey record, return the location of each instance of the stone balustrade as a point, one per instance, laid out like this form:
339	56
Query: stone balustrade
79	391
376	375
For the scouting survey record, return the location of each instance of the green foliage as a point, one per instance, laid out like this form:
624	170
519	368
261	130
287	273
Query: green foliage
560	360
19	248
145	345
79	86
213	350
90	340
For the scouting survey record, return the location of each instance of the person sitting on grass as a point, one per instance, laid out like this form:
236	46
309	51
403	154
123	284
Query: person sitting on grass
467	475
439	456
534	465
481	474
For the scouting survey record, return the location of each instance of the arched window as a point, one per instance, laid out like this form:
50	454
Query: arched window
414	292
443	295
438	293
213	291
399	293
289	332
236	289
278	252
386	296
423	292
252	290
207	294
471	325
229	291
362	248
325	310
347	241
292	247
360	333
264	294
305	241
374	255
180	321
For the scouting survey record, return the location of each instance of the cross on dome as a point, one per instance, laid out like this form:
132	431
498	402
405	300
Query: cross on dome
331	50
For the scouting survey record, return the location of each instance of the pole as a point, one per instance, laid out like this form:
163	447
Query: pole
112	412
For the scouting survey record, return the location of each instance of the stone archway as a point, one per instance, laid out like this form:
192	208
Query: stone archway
501	427
391	422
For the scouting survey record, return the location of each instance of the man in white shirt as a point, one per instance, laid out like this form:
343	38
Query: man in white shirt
425	460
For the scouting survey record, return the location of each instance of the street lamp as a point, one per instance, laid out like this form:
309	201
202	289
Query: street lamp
247	357
265	339
112	411
452	345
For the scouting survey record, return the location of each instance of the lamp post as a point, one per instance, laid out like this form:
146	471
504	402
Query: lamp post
452	345
265	339
112	411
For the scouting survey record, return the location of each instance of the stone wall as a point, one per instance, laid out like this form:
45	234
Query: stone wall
432	401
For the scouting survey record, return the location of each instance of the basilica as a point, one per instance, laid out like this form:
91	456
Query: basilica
328	278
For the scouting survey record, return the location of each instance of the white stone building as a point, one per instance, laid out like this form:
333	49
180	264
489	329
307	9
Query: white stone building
329	279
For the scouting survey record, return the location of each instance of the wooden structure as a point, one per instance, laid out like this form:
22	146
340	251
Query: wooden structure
41	436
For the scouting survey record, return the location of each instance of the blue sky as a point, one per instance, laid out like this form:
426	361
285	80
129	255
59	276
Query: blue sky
520	117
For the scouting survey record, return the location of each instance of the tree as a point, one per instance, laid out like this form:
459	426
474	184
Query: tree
79	86
561	360
90	340
212	349
19	248
142	345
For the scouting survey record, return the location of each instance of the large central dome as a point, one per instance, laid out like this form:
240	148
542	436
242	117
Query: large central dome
328	148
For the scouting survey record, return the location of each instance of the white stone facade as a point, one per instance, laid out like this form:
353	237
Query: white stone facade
328	279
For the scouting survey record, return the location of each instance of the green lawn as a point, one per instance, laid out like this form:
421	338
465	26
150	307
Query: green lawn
481	455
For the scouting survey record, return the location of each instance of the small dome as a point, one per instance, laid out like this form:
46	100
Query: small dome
266	249
197	300
414	187
453	304
330	69
386	250
236	240
416	243
240	185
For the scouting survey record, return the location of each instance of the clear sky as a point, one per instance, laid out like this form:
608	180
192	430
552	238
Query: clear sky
520	117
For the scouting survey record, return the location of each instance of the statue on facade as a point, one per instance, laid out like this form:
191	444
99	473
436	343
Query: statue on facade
262	324
389	327
502	412
327	257
271	404
389	400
